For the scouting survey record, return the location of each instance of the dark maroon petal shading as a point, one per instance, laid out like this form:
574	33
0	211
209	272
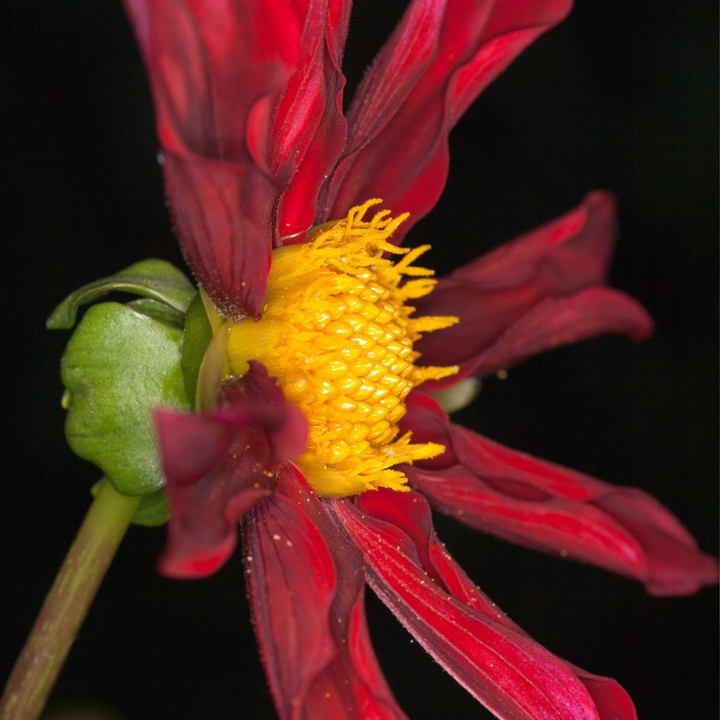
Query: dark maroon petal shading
223	214
291	581
554	509
216	71
508	672
443	54
218	465
243	91
411	513
540	291
310	129
306	587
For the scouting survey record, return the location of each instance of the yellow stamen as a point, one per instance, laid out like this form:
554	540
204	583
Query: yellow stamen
337	334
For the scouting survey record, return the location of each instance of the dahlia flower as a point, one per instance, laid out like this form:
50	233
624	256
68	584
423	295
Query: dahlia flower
324	344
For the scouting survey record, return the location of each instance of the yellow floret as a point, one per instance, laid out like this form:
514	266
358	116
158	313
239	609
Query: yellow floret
337	334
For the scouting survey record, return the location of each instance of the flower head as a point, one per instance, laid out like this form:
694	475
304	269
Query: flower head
314	421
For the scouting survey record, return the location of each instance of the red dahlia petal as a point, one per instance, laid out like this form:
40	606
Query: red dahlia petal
540	291
248	103
554	509
306	589
503	668
570	252
556	321
410	512
611	699
215	69
218	466
291	581
226	242
443	54
310	131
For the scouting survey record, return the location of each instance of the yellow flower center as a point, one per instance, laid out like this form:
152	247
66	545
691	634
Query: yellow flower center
338	335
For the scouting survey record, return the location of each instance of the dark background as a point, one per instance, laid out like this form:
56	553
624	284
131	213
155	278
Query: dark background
621	96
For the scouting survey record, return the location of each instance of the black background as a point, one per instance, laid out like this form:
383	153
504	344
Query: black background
621	96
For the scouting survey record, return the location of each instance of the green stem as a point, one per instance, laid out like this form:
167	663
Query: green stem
67	604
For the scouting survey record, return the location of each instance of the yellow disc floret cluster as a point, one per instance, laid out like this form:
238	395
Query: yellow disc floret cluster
338	335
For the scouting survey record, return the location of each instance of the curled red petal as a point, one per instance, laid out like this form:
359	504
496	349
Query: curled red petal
247	93
291	582
441	57
306	588
676	566
215	69
557	321
218	465
226	240
570	252
504	669
411	513
310	130
611	699
554	509
540	291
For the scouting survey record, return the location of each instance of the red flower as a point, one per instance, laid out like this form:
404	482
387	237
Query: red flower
257	154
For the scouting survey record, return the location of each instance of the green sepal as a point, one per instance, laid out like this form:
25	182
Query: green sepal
158	311
155	279
153	510
196	338
119	366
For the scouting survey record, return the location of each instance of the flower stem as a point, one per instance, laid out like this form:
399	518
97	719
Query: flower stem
67	604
